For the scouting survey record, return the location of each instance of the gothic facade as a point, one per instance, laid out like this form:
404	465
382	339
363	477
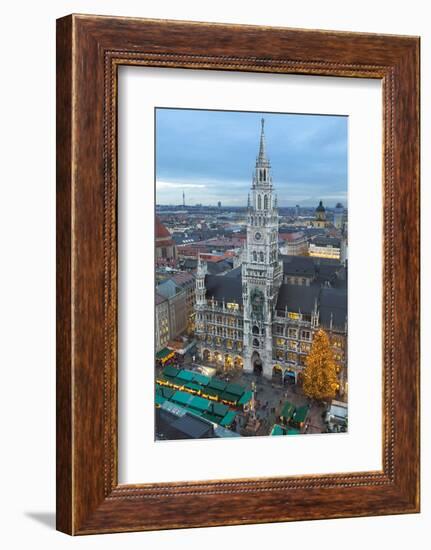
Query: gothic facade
261	316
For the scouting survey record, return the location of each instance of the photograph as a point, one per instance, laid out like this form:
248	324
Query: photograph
251	271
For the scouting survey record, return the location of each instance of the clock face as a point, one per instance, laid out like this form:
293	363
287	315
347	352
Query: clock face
257	236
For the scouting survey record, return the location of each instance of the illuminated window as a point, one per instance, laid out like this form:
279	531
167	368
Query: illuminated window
280	342
232	305
293	315
292	333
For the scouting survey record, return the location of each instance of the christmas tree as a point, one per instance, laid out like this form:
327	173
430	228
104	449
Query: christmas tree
320	373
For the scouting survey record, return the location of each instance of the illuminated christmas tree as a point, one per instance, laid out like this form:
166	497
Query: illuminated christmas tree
320	373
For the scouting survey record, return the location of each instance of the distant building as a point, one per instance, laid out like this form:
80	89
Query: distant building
179	424
162	322
179	291
166	252
320	216
293	244
344	244
325	247
297	211
219	204
338	215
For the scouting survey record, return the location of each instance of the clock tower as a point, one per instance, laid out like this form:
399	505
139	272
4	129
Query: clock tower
262	270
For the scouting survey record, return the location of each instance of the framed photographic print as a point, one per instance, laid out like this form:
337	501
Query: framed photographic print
237	274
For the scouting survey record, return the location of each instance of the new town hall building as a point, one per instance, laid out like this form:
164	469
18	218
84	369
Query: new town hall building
261	316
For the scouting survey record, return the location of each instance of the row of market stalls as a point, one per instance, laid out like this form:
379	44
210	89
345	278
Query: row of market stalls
210	398
292	420
210	388
218	413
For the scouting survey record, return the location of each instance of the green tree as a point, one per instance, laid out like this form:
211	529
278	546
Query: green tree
320	373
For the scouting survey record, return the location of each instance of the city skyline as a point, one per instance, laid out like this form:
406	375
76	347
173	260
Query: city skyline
206	155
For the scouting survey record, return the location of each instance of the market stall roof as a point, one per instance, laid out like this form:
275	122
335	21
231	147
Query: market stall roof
245	398
278	430
185	375
288	410
161	354
211	392
170	371
228	419
218	409
199	403
211	417
217	384
226	396
159	399
164	391
235	389
182	398
300	414
201	379
193	386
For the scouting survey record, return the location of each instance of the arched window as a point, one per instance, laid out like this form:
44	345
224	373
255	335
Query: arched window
265	202
256	343
261	257
259	202
254	256
255	329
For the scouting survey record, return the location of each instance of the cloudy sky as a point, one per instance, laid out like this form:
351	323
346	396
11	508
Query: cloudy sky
210	155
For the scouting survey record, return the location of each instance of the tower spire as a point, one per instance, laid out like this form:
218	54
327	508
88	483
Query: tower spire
262	146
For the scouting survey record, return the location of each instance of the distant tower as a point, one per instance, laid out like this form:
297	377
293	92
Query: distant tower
184	199
344	244
297	210
219	204
320	216
338	215
201	272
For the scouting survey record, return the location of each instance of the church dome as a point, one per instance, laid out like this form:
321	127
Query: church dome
320	208
161	231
